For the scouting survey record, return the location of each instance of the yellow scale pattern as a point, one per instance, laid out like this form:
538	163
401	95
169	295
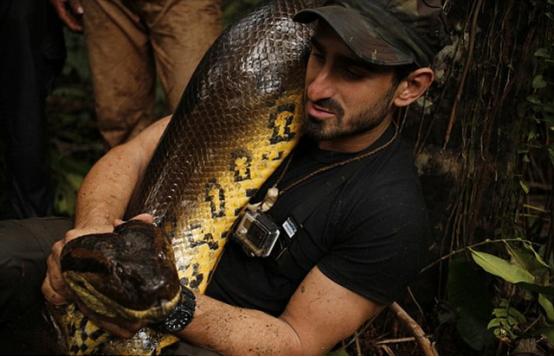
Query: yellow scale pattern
237	121
195	255
203	225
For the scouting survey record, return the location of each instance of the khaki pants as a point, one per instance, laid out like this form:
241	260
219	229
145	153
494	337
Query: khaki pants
129	41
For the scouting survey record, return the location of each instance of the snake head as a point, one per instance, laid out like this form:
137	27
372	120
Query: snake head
128	274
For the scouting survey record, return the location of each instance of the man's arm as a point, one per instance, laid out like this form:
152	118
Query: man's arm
103	198
107	188
319	315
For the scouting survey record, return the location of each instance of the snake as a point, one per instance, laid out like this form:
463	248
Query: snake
238	119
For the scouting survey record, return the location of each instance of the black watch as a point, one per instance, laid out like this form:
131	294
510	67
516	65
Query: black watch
182	315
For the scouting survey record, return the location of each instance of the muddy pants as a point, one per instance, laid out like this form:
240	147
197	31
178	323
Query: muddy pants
24	247
129	42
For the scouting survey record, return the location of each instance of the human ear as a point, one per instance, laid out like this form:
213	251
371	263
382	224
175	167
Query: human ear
414	86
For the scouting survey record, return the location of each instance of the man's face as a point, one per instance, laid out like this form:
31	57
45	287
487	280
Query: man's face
344	97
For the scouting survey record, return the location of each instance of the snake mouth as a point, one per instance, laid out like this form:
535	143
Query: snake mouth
103	305
128	274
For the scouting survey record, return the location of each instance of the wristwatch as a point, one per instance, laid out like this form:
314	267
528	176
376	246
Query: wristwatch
182	315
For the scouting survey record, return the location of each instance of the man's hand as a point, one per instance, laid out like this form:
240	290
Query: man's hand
145	217
70	12
53	286
125	329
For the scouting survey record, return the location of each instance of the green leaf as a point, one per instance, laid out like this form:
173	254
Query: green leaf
501	268
500	312
547	307
538	257
533	99
494	323
528	259
517	315
539	82
74	181
542	52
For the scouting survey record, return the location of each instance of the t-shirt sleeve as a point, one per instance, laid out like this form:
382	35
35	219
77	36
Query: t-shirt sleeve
381	243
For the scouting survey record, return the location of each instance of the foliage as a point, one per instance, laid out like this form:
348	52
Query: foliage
525	266
506	322
483	139
483	143
75	143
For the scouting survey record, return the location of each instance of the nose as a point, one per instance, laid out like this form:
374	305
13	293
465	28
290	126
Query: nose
321	86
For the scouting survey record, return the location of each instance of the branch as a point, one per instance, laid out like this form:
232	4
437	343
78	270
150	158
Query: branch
461	250
396	340
415	329
467	65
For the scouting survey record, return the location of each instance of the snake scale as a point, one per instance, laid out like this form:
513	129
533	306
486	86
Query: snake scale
237	120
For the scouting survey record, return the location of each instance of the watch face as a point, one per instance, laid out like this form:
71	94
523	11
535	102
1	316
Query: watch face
179	318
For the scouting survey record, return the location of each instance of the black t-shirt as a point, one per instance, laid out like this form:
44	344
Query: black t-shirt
368	234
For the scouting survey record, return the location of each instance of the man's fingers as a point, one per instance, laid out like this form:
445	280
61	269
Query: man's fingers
65	16
79	232
76	7
56	277
50	294
144	217
53	287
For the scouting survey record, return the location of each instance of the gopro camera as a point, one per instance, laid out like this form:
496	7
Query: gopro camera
257	234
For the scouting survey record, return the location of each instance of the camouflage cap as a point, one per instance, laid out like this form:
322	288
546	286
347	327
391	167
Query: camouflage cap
385	32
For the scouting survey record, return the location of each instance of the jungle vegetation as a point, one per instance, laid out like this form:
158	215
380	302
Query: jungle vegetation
483	142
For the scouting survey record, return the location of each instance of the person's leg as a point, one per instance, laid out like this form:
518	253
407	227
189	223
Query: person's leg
24	247
122	68
181	32
32	55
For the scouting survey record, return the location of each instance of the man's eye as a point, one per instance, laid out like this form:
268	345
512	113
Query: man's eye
353	73
318	56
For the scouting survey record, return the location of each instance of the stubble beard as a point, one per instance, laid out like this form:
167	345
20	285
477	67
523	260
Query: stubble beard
337	128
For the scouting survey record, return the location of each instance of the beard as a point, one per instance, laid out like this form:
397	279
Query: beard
338	127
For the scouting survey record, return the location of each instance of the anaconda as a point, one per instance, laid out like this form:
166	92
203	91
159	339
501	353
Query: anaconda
237	120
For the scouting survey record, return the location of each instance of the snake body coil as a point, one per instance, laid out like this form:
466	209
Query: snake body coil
237	120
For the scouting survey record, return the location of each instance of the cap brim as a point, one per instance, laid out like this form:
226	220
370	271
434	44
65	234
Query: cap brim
357	34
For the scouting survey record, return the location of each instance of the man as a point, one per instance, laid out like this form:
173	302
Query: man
129	43
361	242
32	53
